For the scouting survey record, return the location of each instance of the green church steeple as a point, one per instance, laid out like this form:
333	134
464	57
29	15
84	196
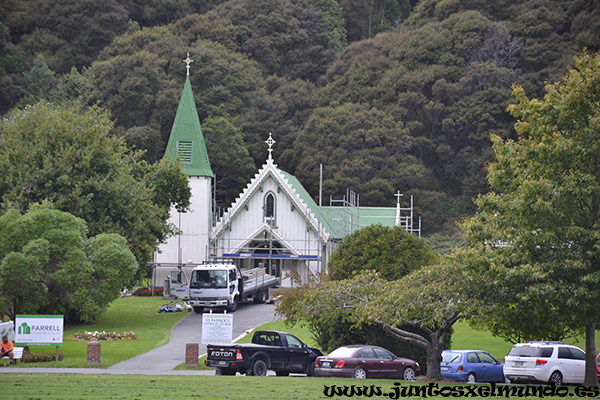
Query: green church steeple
186	140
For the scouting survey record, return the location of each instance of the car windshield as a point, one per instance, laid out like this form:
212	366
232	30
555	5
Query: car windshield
451	357
209	279
342	352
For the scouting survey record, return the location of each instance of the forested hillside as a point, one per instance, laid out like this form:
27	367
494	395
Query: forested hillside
388	94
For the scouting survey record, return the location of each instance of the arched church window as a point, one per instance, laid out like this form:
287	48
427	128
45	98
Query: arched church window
270	206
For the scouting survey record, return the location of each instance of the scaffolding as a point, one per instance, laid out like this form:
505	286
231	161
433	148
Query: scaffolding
344	215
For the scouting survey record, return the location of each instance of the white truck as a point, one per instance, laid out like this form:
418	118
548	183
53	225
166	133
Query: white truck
220	285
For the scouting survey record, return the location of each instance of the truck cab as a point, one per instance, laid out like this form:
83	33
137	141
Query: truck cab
215	286
210	285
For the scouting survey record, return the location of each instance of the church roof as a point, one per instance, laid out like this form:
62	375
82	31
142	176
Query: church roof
304	195
186	140
290	184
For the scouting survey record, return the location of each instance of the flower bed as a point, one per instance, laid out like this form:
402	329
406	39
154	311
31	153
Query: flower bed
149	292
90	336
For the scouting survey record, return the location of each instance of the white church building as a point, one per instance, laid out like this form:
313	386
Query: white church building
274	223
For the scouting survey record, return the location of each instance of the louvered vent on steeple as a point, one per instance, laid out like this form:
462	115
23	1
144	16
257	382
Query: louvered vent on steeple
184	149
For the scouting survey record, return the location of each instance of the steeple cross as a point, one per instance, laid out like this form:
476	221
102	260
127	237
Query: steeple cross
398	195
188	60
270	142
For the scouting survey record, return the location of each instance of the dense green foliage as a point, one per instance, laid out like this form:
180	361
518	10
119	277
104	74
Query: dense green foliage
545	209
67	157
48	265
391	251
418	309
388	95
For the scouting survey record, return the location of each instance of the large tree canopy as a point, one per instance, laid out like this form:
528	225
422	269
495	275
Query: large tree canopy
68	158
418	309
48	265
434	74
391	251
543	218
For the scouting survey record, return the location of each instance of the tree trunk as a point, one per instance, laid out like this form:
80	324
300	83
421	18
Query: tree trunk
591	378
432	342
434	359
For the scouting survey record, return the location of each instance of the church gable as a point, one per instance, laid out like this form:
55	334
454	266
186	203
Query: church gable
270	199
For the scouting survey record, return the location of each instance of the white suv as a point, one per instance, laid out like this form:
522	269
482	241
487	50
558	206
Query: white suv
545	362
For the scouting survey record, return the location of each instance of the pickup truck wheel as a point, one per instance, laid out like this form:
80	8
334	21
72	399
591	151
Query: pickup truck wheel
310	369
259	368
198	309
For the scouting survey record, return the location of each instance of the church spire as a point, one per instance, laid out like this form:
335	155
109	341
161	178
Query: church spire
187	140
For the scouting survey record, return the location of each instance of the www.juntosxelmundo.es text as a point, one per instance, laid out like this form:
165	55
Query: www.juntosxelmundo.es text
399	390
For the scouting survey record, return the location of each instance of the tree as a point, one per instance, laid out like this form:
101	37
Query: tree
230	160
39	78
67	157
287	37
391	251
358	145
48	265
67	33
428	300
365	19
545	208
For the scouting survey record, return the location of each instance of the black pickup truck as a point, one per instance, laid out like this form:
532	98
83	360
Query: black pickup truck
278	351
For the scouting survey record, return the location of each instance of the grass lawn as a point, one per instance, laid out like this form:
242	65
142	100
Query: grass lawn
125	387
137	314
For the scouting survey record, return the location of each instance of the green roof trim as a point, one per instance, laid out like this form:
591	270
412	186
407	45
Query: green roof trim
339	221
186	140
306	197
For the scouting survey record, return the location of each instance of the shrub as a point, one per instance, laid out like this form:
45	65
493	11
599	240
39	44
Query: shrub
40	357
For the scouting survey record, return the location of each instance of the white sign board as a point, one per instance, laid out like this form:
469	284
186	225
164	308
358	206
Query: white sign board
8	329
39	330
217	328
